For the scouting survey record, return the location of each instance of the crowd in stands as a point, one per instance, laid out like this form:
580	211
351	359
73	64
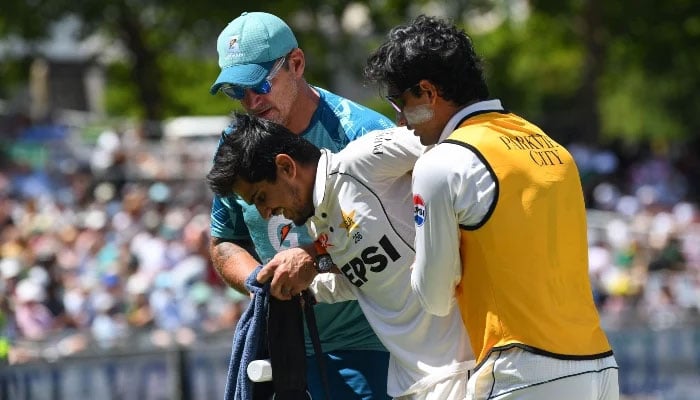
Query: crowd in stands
92	259
644	235
95	256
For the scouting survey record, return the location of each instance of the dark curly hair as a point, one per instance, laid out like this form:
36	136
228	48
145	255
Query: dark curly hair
429	48
248	153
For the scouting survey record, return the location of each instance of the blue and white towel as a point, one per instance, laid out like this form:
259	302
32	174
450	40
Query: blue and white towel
249	337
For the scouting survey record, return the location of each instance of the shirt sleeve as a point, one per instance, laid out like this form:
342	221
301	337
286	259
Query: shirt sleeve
384	154
227	219
451	186
400	152
332	288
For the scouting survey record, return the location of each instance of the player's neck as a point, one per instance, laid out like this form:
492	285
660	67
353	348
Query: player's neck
303	108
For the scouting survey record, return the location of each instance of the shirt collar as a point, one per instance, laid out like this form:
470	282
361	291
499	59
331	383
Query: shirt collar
321	177
486	105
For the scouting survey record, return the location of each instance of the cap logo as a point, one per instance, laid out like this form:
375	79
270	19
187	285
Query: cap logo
233	43
234	46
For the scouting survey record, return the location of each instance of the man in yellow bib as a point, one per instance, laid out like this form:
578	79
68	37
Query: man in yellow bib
500	224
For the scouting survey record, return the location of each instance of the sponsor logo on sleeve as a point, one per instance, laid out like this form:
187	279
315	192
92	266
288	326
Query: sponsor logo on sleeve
418	210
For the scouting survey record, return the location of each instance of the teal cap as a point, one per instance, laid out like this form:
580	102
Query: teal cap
248	48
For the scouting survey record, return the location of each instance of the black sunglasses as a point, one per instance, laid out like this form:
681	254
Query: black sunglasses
396	100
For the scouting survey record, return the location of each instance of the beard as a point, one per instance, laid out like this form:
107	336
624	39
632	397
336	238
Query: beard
302	210
301	221
303	215
301	218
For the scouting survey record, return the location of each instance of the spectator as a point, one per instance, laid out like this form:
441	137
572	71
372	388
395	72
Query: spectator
34	319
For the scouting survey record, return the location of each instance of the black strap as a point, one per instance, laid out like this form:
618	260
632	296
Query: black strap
285	341
309	302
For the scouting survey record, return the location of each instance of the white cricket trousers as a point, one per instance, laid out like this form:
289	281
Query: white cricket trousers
516	374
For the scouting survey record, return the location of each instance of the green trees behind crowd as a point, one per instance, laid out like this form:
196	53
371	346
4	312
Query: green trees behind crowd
589	70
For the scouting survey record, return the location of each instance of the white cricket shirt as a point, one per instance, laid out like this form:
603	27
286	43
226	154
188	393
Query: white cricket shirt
364	216
457	188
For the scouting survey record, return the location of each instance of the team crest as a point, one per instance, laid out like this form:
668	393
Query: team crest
418	210
348	222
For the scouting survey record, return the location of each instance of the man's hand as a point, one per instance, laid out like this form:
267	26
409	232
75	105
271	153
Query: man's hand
291	272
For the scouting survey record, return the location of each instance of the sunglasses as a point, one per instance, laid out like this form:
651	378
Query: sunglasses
237	92
395	99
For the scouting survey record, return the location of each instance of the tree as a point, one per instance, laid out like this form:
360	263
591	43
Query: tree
153	34
593	71
585	70
169	46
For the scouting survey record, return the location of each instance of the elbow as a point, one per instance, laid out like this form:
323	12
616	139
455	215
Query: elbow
437	311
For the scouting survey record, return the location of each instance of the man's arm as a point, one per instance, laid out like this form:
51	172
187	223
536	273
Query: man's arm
232	250
233	261
332	288
451	187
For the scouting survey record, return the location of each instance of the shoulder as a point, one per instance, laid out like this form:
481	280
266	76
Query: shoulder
352	115
441	163
379	137
383	145
440	156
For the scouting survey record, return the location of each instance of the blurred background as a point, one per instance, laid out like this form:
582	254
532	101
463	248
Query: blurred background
107	129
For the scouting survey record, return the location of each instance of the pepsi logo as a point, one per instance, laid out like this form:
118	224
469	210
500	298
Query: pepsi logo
418	210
